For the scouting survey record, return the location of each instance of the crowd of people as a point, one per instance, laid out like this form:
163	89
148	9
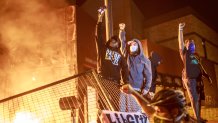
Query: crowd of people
119	59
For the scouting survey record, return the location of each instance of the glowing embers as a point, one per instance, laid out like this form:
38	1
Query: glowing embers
26	117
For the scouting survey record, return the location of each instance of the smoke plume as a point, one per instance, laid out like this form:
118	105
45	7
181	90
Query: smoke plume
31	36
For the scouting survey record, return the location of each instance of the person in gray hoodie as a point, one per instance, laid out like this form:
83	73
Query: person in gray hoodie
140	74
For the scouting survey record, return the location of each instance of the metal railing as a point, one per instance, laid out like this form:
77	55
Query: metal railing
78	99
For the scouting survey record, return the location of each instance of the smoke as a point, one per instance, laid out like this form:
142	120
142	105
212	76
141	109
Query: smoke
31	35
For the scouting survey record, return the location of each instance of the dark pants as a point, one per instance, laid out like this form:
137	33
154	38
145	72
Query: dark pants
191	87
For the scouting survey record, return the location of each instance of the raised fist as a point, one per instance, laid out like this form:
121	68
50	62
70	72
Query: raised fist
101	10
181	26
122	26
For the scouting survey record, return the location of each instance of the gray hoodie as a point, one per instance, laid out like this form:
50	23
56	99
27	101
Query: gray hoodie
139	65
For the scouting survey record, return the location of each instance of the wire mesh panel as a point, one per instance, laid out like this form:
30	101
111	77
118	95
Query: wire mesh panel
76	99
110	93
96	94
38	107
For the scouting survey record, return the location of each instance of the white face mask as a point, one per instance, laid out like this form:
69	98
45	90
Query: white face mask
133	48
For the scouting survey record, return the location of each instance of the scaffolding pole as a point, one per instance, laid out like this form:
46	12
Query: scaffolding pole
108	19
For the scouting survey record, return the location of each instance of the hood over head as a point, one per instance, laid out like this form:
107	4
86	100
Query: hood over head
141	52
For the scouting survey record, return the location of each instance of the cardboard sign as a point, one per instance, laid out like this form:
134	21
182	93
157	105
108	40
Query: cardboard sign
123	117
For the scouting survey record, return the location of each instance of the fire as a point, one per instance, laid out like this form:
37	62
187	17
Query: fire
25	117
33	78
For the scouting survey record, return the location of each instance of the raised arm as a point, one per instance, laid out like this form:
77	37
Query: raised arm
125	70
149	110
180	36
122	37
99	30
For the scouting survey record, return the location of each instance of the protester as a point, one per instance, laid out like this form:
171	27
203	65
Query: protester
140	75
110	62
167	106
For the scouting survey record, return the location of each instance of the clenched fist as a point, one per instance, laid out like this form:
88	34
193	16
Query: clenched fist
181	26
122	26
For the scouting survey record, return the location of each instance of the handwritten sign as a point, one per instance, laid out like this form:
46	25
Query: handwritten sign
123	117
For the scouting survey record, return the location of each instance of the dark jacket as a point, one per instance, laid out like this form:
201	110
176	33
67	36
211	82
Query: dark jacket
155	62
110	62
191	65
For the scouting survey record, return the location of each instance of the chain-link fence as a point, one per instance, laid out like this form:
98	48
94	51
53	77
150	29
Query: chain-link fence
76	99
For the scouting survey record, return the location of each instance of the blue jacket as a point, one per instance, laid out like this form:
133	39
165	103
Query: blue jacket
139	65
